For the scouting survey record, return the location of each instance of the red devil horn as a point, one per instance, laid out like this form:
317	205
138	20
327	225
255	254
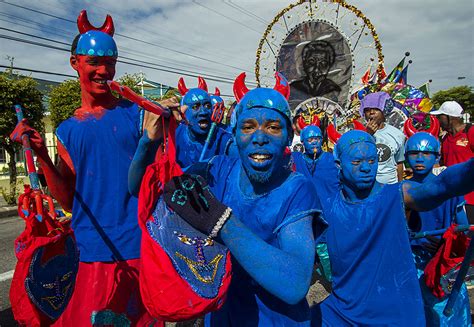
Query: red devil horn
434	126
301	122
282	85
108	26
84	25
239	87
218	92
315	121
202	84
333	134
182	87
358	125
408	128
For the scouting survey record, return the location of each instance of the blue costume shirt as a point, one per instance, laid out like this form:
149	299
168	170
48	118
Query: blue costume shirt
188	151
323	174
374	277
248	304
104	216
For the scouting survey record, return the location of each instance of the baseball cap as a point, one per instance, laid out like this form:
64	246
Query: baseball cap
449	108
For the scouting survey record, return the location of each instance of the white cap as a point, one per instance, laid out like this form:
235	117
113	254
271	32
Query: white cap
449	108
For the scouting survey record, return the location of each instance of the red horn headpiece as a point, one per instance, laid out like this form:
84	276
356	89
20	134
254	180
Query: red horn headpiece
358	125
333	134
302	123
202	84
182	86
239	87
282	85
218	92
84	25
409	129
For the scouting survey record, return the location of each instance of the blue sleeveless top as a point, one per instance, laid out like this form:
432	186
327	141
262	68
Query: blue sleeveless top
374	276
104	213
189	151
248	304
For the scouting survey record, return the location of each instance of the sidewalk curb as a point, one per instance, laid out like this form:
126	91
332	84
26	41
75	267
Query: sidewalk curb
8	211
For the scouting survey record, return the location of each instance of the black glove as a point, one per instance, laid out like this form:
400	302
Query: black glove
190	197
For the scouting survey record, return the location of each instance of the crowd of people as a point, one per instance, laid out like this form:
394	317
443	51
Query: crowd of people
276	211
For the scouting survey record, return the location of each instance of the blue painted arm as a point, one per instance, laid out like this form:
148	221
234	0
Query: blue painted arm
286	271
144	155
456	180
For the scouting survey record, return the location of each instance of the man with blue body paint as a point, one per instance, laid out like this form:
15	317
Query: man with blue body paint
191	136
320	168
261	211
374	276
422	151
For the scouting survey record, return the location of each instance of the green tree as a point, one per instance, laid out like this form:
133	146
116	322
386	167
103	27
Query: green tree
17	89
65	98
464	95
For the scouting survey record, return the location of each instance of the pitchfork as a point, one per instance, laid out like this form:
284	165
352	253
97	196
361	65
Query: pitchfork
216	117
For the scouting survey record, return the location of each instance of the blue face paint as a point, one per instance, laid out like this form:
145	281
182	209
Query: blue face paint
421	162
261	137
359	166
312	139
199	111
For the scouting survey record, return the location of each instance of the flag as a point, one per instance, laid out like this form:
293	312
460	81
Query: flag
396	71
403	76
425	89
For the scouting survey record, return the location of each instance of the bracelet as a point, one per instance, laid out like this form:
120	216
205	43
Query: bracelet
220	222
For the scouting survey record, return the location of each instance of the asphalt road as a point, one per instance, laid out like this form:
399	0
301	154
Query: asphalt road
11	227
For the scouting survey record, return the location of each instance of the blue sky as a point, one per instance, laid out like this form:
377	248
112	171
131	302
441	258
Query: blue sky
201	36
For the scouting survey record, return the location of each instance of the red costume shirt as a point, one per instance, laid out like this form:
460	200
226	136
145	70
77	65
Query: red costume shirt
459	148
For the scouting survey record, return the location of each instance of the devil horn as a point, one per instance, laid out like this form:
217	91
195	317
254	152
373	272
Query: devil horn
202	84
315	121
218	92
301	122
282	85
108	26
434	126
84	25
358	125
333	134
182	86
408	128
239	87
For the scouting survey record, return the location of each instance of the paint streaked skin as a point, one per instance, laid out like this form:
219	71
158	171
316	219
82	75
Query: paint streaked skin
422	163
199	110
358	164
312	141
262	132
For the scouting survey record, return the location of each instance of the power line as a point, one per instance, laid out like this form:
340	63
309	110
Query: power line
227	81
128	37
245	11
37	71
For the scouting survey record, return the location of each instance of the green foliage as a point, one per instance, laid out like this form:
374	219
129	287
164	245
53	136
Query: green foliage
464	95
64	99
131	80
9	196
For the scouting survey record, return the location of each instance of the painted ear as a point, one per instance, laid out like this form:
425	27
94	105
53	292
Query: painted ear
84	25
182	86
239	87
202	84
282	85
217	92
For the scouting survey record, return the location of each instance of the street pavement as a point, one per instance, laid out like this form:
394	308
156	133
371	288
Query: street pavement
11	226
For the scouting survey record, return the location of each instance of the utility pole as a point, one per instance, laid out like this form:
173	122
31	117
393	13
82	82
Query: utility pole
11	60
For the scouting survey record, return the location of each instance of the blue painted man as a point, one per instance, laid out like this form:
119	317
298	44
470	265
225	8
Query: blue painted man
261	211
374	276
320	168
422	151
191	137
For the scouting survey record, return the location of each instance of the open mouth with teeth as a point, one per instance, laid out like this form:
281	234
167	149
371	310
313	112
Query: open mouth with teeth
100	81
203	123
260	157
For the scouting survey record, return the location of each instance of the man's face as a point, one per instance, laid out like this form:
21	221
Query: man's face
359	165
312	140
199	111
421	162
261	137
375	115
94	72
316	66
443	121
